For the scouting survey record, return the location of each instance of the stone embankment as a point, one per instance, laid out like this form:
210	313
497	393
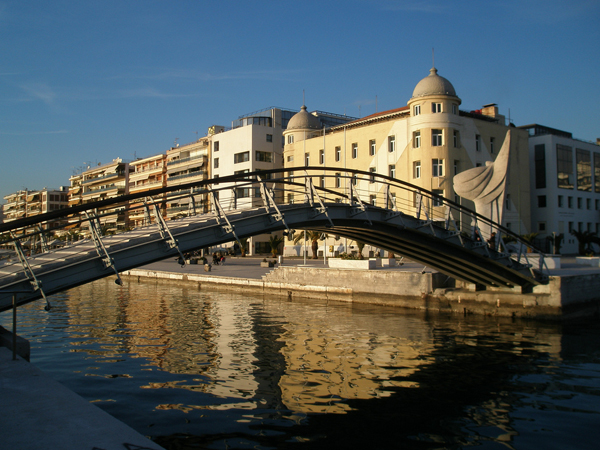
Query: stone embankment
573	291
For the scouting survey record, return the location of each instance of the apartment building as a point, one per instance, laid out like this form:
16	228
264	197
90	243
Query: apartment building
565	186
29	203
187	164
100	183
146	174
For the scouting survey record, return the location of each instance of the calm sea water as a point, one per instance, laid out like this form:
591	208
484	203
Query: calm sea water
199	369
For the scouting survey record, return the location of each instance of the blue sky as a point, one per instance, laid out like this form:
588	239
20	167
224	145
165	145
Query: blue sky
87	82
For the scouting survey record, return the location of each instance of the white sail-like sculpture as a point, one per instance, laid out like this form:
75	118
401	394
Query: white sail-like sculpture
486	185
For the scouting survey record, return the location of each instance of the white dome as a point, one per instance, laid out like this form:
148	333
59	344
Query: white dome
303	120
433	84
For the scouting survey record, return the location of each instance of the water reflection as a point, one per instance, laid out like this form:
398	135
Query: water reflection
194	368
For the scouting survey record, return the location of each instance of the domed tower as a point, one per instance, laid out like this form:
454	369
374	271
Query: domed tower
302	125
434	133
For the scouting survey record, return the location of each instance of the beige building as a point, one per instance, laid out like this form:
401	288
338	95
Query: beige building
424	143
26	203
187	164
146	174
100	183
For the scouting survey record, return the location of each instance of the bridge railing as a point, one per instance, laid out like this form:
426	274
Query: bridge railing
72	226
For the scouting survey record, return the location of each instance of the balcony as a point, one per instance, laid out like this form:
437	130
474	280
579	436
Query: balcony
184	160
105	177
199	173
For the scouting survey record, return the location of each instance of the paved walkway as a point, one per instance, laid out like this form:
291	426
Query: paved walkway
39	413
249	267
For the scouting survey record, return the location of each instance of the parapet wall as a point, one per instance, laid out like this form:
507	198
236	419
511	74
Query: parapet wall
562	297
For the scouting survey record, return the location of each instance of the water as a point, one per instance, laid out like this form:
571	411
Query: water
199	369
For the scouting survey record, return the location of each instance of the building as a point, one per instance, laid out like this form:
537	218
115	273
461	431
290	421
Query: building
187	164
146	174
425	143
565	186
100	183
255	142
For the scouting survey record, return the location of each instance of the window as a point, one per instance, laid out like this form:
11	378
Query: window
492	141
264	156
216	163
417	169
437	167
438	197
372	147
373	199
290	200
307	159
242	192
560	201
541	201
322	181
216	146
354	179
584	170
417	139
338	180
372	170
269	138
571	227
241	157
392	143
588	203
597	204
354	150
338	153
454	108
564	165
540	166
392	171
436	138
239	172
456	162
456	138
507	202
290	158
579	202
321	156
290	138
477	143
542	227
416	110
570	202
436	107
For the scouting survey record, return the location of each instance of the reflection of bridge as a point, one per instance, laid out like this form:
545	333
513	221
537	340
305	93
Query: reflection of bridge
406	220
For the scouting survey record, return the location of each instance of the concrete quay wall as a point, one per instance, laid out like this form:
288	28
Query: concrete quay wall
562	298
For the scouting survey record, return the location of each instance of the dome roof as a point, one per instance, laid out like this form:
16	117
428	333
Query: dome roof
303	120
433	84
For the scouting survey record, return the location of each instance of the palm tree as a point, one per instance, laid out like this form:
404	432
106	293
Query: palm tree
313	237
361	246
584	239
274	242
243	242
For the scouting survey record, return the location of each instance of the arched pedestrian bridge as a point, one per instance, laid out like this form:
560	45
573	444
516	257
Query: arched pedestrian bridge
380	211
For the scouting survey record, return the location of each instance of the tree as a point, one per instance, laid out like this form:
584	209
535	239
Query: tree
361	246
313	237
584	239
243	243
274	242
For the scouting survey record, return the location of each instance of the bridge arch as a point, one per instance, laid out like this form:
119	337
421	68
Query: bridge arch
389	214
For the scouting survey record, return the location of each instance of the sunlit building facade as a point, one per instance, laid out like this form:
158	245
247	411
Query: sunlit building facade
425	143
565	187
